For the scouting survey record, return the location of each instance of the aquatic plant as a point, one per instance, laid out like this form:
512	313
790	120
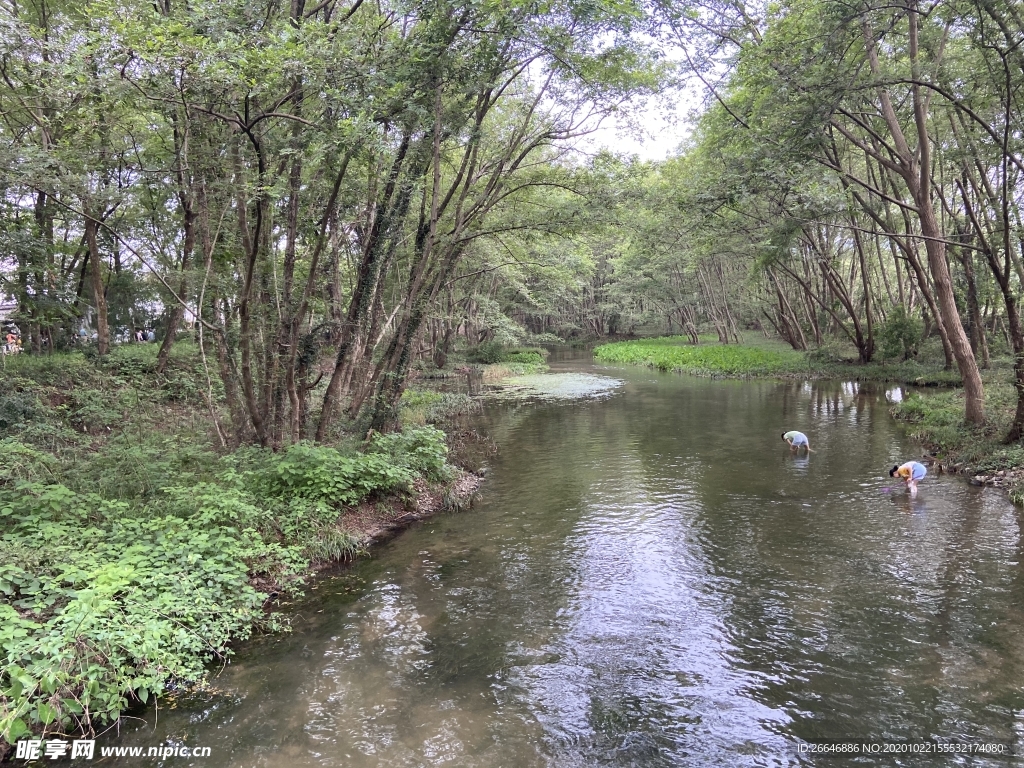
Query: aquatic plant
555	386
674	353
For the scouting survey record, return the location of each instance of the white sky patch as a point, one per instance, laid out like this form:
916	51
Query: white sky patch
652	130
655	138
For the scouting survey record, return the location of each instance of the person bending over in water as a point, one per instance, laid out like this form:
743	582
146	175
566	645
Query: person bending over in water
796	439
912	472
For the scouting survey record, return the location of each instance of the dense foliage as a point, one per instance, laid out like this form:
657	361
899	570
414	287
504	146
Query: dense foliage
323	195
855	175
130	555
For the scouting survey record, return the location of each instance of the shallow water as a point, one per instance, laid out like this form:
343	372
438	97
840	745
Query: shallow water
650	578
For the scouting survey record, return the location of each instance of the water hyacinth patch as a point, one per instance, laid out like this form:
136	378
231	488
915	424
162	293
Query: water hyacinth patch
675	353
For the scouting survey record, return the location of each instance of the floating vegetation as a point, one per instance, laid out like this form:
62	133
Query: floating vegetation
555	386
671	354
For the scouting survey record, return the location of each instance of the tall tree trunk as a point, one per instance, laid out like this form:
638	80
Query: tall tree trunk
99	297
915	167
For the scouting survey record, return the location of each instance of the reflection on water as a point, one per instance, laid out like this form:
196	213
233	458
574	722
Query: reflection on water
895	395
651	579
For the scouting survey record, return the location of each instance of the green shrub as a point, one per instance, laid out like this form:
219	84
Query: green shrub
103	603
491	353
415	405
900	335
23	462
421	407
320	473
17	409
488	353
419	451
450	406
524	357
130	551
543	338
131	361
420	398
832	350
63	371
95	410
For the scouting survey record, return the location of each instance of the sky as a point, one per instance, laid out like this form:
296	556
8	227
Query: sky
653	131
656	140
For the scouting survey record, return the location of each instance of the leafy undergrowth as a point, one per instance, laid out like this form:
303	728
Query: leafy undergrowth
675	353
501	362
132	552
104	601
490	361
937	420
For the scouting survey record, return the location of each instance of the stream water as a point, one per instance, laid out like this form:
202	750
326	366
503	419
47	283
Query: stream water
650	578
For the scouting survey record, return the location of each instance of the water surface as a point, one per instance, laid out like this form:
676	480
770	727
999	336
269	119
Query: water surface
651	579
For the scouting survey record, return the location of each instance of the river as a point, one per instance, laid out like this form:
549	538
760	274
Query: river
650	578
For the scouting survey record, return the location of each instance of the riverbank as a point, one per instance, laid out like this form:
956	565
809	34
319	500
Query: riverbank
934	419
135	549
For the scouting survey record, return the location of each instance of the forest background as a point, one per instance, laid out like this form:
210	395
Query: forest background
312	203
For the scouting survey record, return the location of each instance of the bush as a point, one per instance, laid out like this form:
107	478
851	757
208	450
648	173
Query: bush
131	361
491	353
415	405
104	602
450	406
832	350
419	451
95	410
130	553
320	473
17	409
487	353
421	407
100	607
900	335
543	338
524	357
22	462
